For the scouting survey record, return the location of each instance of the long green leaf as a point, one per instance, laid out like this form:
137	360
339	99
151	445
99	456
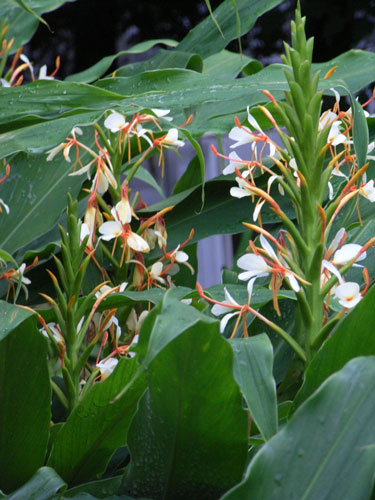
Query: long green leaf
36	193
98	69
189	436
98	425
44	485
353	337
25	395
66	104
22	22
205	39
253	359
327	450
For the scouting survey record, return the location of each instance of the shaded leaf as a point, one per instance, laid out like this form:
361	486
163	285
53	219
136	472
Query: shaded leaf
327	450
98	69
25	395
253	359
44	485
36	193
98	425
189	436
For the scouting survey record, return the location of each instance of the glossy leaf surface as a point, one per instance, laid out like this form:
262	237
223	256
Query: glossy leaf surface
98	425
25	394
253	359
189	436
327	450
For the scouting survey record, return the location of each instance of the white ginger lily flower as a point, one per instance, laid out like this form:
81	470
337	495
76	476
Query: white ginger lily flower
242	190
235	162
255	266
53	327
134	323
161	113
347	253
348	294
43	73
368	190
124	210
218	310
335	137
65	145
262	136
181	258
115	229
115	122
2	203
171	139
156	270
242	136
106	367
4	82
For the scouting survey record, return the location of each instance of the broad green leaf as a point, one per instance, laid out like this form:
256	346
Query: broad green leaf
29	10
360	130
253	359
6	257
226	64
11	317
172	319
101	489
145	176
98	69
36	194
205	39
327	450
50	99
354	67
202	165
39	136
353	337
44	485
23	23
189	178
98	425
25	395
67	104
221	213
163	59
189	436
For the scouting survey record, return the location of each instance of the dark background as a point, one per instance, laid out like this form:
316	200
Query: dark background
87	30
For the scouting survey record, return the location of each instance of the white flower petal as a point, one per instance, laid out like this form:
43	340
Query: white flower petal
348	294
115	121
346	253
224	321
110	229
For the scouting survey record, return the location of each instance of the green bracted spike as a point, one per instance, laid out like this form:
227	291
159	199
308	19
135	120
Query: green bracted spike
67	266
305	75
296	64
309	48
62	274
74	237
315	82
298	99
314	108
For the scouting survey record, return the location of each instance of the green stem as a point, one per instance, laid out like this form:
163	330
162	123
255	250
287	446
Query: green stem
104	139
60	394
